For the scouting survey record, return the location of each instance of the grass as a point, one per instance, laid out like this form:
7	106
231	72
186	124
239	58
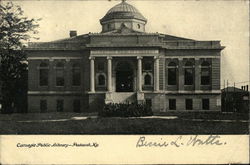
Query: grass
89	123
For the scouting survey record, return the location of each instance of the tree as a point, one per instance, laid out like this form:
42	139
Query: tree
15	30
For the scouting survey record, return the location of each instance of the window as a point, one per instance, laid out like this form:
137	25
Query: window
189	104
172	71
76	75
60	74
100	66
205	73
43	106
59	105
76	106
189	73
43	74
147	80
138	26
148	66
172	104
149	102
101	80
205	104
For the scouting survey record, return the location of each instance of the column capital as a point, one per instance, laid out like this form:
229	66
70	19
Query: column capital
67	59
197	58
180	58
156	57
91	58
139	57
109	57
51	59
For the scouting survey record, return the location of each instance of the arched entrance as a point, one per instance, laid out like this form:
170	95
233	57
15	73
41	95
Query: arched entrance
124	77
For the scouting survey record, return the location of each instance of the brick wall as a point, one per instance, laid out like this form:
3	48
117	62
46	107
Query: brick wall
34	102
96	102
33	72
58	92
160	102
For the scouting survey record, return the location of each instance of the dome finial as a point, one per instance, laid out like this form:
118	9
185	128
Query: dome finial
123	0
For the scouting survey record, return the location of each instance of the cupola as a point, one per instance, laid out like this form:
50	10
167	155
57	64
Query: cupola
123	14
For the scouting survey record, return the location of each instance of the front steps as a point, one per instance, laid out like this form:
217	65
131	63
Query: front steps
120	97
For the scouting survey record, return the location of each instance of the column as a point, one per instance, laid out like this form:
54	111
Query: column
181	75
52	74
197	74
139	74
156	74
67	74
109	74
92	74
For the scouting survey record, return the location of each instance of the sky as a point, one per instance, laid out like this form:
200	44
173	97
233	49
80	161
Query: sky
227	21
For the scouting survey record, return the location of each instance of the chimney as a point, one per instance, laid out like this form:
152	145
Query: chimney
247	88
242	87
72	33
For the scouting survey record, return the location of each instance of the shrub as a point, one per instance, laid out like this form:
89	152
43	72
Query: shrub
125	110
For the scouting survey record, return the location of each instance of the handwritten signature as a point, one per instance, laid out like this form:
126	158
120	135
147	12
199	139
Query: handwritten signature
194	140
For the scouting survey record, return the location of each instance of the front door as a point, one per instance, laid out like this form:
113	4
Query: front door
124	81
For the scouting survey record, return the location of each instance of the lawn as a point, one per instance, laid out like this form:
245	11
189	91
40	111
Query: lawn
90	123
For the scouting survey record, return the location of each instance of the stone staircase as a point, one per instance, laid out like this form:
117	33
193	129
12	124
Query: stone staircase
123	97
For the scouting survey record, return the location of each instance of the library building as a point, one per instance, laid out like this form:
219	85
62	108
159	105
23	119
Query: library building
123	63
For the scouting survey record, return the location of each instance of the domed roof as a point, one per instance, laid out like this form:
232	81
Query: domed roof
123	10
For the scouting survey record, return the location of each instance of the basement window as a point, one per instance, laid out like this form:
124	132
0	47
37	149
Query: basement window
172	104
189	104
59	105
205	104
43	106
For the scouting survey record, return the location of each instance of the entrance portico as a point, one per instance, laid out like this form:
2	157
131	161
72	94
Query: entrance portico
124	75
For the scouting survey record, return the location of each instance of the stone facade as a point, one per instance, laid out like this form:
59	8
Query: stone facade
122	64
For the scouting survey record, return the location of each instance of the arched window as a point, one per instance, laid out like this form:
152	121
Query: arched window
205	73
189	73
147	79
76	75
101	80
43	74
59	74
172	73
